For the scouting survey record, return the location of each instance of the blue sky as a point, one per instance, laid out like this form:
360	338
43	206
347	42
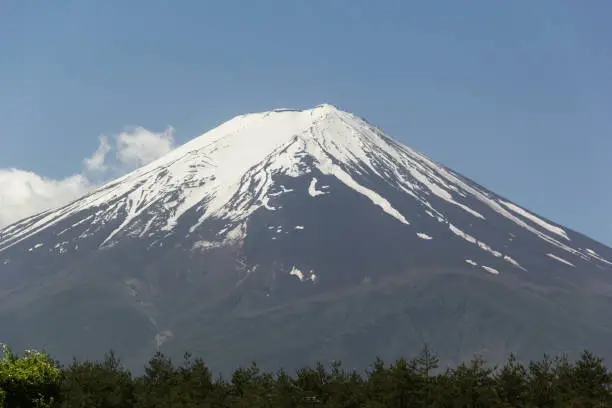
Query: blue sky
516	95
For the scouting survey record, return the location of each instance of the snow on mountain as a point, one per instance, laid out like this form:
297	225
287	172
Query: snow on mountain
228	173
297	234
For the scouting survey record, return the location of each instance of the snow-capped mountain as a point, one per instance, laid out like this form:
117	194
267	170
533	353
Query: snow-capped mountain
291	235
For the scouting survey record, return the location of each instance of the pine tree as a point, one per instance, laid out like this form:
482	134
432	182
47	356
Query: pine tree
592	381
97	385
158	386
511	381
427	361
425	364
541	379
473	386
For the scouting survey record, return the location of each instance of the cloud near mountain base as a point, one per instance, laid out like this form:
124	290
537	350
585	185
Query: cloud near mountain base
24	193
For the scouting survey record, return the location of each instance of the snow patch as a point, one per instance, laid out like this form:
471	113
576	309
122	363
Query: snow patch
162	337
558	258
490	270
487	248
473	240
462	234
147	227
440	192
595	255
526	214
35	247
312	188
283	190
76	224
227	236
432	215
329	168
296	272
301	276
206	245
267	206
513	262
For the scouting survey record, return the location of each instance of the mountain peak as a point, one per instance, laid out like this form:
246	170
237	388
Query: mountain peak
321	109
326	107
253	228
232	171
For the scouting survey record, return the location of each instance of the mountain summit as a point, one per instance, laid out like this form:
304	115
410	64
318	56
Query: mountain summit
294	235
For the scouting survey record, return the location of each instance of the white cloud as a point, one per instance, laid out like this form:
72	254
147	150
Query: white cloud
24	193
97	162
139	146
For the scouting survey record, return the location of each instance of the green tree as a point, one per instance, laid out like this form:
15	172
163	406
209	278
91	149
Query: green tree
564	383
396	385
472	385
592	381
425	364
194	383
31	381
344	389
103	384
36	381
378	384
248	388
511	381
541	379
158	386
427	361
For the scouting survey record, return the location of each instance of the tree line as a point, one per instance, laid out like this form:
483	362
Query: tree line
36	380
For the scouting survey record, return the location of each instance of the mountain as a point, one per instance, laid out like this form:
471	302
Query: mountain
292	236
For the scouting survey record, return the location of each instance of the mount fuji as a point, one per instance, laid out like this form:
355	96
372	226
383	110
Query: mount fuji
292	236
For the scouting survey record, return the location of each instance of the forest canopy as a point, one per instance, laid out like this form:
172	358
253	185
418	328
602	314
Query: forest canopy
36	380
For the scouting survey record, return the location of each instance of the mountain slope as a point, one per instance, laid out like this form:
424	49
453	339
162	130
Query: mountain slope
290	235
